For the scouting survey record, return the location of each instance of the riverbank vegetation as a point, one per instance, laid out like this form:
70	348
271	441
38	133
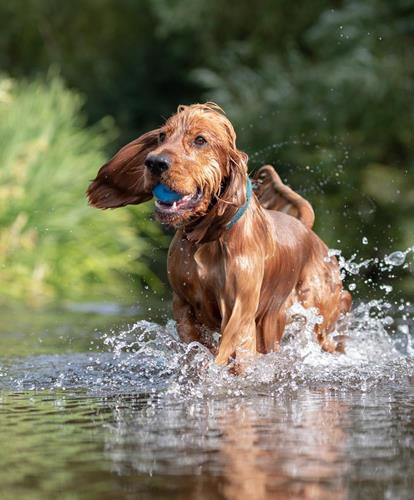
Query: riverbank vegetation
52	245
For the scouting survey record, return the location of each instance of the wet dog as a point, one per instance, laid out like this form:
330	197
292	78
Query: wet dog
243	251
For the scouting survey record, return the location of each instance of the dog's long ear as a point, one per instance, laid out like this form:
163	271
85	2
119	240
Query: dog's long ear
120	182
232	197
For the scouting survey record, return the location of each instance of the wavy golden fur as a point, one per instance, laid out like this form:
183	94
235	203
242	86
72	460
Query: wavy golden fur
238	280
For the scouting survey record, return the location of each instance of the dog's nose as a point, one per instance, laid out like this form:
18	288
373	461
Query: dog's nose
157	164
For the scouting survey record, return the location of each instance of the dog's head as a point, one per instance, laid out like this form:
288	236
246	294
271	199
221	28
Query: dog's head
195	159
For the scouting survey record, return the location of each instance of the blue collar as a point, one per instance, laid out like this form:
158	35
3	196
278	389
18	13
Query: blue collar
240	212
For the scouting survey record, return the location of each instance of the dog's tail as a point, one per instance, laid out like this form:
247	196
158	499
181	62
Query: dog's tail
273	194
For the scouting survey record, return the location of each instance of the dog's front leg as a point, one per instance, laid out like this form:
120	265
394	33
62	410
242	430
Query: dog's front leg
187	326
238	327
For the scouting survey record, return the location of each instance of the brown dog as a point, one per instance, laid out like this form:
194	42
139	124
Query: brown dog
239	259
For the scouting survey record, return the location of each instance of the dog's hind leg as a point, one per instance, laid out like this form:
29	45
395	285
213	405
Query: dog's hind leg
346	301
270	328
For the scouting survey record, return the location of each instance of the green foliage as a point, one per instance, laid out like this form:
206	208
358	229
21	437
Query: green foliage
52	245
109	50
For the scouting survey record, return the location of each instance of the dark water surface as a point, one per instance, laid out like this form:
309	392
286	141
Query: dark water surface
95	404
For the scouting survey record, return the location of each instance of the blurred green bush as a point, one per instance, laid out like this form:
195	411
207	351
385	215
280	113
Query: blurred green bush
52	245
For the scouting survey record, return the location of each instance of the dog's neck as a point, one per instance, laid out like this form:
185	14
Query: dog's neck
211	226
241	211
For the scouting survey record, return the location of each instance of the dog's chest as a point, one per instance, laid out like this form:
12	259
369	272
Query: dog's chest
192	275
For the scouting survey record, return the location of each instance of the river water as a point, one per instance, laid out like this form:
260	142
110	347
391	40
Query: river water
100	402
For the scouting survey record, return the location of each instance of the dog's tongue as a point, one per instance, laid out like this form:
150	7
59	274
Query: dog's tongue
164	194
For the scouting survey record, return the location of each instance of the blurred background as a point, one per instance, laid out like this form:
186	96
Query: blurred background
323	90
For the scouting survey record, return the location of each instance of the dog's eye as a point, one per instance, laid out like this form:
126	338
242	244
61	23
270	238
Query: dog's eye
161	137
200	141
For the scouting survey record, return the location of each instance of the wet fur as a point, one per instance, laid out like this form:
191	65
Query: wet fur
239	281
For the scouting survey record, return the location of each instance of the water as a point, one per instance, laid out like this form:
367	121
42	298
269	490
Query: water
104	402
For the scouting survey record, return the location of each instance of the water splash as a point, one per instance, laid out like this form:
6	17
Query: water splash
351	267
161	363
373	355
148	358
397	258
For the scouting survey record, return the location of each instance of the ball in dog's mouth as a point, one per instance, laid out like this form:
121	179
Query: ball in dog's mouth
169	202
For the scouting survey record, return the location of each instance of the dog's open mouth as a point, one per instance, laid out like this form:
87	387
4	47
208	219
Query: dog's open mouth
171	202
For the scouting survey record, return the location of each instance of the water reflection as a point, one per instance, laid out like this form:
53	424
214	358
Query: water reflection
311	444
286	448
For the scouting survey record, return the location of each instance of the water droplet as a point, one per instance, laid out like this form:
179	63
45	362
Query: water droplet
395	258
352	286
388	320
387	288
365	240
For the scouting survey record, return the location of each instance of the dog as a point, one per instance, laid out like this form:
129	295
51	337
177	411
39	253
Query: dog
243	251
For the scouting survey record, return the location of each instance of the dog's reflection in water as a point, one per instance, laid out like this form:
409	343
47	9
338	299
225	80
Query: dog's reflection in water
252	449
297	457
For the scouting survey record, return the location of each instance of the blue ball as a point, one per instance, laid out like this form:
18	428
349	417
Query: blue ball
165	194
